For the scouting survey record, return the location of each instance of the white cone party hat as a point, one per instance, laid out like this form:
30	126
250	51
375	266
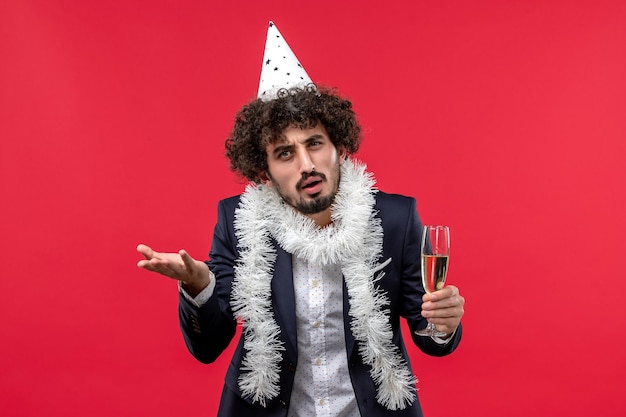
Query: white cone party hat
280	68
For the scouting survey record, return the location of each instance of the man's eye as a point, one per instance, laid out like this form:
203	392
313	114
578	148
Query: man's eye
284	154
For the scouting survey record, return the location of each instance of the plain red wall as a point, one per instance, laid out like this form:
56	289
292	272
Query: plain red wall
112	119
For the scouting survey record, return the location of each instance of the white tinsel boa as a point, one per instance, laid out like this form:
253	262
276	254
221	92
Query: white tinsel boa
354	241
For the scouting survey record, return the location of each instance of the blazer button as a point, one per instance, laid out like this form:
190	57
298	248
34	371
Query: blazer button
283	403
291	367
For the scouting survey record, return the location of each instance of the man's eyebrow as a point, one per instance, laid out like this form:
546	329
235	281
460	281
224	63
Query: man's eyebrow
289	146
314	137
280	148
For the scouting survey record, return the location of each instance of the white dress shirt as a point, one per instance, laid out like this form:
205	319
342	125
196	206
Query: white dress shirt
322	384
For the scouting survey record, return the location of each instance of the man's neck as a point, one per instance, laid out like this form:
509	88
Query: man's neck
321	219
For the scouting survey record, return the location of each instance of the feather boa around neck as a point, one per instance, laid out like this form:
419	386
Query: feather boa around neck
354	242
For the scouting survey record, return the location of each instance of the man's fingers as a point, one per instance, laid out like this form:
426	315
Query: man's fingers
188	261
439	303
145	250
448	291
179	265
165	267
144	263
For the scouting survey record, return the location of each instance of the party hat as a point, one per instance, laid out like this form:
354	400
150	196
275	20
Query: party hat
280	68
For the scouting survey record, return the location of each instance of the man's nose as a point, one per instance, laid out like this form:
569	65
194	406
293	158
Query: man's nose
306	163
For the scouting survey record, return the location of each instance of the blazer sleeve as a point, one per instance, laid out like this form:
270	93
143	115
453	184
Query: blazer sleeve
208	329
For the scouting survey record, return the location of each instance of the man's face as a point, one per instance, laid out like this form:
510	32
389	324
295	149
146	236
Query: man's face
303	166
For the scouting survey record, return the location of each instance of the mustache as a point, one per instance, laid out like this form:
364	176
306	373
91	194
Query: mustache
307	175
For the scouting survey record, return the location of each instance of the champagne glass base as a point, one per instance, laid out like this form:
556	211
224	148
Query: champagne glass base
430	331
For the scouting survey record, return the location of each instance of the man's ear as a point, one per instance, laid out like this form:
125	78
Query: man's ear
264	178
343	154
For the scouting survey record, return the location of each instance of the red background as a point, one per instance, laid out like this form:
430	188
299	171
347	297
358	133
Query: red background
112	120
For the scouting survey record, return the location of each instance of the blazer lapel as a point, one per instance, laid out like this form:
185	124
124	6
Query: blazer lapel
346	322
284	299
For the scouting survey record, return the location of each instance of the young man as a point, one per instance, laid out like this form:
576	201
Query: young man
316	263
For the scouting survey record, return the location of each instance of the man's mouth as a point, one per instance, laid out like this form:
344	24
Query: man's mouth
312	185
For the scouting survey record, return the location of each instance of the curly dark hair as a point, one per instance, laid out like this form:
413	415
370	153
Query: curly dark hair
260	123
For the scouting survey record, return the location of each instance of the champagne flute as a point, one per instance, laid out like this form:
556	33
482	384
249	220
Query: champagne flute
435	256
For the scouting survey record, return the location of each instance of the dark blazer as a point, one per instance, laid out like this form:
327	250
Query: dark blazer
209	329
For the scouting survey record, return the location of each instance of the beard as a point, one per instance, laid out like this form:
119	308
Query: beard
317	205
319	202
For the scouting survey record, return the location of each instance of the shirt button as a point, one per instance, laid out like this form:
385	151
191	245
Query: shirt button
318	361
322	402
315	283
317	323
